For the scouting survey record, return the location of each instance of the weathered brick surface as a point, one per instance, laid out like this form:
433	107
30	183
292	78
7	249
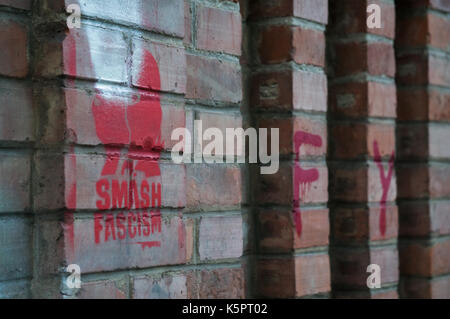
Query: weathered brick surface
220	238
96	241
423	161
219	30
86	117
213	79
15	249
15	170
363	182
218	187
14	55
288	90
16	114
106	289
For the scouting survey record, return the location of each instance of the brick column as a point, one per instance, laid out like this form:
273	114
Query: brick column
423	78
215	191
361	124
288	91
105	194
16	149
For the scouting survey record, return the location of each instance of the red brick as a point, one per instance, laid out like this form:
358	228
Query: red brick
438	102
312	274
224	283
17	116
439	71
351	266
290	90
439	31
362	225
170	60
412	69
434	258
213	80
219	30
163	286
275	44
89	53
376	58
220	237
15	170
105	289
412	181
360	184
350	17
287	129
424	219
412	104
272	90
422	288
439	135
215	187
415	104
276	278
314	10
439	176
277	232
278	188
310	91
14	54
154	16
222	121
363	99
419	69
356	140
283	43
422	30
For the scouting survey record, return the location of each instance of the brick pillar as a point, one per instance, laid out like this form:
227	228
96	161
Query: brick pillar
423	167
16	148
216	191
288	91
361	124
105	194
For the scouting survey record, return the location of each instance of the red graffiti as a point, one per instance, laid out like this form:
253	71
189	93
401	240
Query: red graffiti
130	225
139	127
131	180
385	183
303	177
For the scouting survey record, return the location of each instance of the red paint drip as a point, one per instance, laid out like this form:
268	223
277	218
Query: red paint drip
385	183
137	125
148	244
303	177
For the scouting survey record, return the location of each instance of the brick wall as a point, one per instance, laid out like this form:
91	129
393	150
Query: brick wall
362	103
86	175
16	137
288	90
423	162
